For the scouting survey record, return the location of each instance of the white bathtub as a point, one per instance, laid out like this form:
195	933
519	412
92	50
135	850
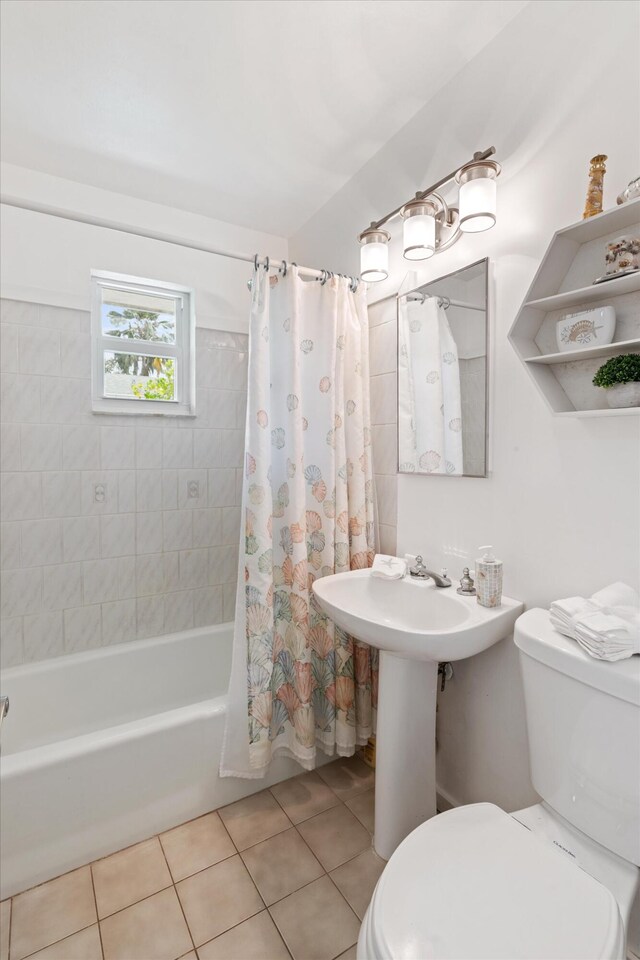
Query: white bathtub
104	748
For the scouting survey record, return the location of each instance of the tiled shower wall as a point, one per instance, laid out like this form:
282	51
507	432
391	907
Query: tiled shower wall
101	540
384	417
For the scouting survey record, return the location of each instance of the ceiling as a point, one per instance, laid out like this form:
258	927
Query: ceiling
251	111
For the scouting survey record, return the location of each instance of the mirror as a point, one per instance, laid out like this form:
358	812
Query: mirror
443	339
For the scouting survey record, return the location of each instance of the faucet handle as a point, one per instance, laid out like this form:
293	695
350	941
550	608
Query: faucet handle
467	586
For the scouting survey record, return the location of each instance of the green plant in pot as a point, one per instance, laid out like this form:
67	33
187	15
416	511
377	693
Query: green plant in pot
620	377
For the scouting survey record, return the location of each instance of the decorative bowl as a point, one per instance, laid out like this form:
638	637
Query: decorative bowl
590	328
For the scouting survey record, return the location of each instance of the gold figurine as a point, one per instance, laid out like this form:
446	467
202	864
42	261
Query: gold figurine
597	170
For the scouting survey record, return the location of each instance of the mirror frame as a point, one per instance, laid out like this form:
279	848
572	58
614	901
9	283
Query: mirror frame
421	287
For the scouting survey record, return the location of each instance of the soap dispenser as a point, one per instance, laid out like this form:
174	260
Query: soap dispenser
488	579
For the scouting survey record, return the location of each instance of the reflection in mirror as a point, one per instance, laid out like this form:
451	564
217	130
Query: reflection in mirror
443	375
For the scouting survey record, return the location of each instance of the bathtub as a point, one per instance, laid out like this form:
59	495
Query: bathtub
105	748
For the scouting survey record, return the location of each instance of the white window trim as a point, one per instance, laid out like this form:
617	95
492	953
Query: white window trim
183	351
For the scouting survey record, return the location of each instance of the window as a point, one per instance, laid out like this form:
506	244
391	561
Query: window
143	334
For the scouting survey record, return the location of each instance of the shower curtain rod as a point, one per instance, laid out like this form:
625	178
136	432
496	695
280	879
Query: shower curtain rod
448	302
117	225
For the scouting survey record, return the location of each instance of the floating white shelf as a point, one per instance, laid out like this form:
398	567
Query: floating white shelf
568	356
598	291
575	256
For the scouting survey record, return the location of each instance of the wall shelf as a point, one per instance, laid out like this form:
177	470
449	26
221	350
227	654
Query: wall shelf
598	291
569	356
562	285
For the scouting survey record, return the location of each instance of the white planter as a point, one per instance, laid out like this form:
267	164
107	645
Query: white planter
624	394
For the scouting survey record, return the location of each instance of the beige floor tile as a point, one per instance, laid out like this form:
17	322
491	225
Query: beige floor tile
316	922
5	921
192	956
153	929
52	911
362	807
281	865
304	796
84	945
218	898
347	777
255	939
349	954
254	819
357	878
335	836
129	876
196	845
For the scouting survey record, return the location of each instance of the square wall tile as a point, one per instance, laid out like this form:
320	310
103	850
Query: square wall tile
150	574
8	348
148	490
207	606
117	448
207	528
20	496
61	494
80	538
39	351
80	447
222	488
41	542
118	535
149	616
100	579
20	398
43	636
41	446
119	621
20	592
177	530
177	448
148	448
194	568
75	355
82	629
62	586
10	460
10	545
11	650
149	537
178	611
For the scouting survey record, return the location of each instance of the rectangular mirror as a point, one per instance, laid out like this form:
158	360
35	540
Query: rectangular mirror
443	375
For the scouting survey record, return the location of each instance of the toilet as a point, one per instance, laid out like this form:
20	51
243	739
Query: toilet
555	881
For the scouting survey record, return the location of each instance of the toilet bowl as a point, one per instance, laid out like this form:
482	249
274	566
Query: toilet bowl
555	881
476	883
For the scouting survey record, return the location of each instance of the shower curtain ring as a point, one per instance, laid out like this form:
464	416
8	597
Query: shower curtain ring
266	265
255	262
284	268
325	277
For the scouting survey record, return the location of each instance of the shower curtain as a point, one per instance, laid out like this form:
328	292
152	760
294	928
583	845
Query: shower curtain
430	408
298	682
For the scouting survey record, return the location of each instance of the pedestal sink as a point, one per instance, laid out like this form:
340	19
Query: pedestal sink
415	625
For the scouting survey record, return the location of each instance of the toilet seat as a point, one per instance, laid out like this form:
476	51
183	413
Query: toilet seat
475	883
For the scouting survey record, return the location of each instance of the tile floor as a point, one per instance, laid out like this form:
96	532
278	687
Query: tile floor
285	873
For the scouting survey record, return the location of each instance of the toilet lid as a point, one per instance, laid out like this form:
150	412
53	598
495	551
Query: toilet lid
473	882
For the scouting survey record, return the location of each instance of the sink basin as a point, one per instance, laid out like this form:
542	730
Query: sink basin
413	618
415	625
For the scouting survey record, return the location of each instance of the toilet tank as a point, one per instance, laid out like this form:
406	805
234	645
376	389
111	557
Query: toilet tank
583	721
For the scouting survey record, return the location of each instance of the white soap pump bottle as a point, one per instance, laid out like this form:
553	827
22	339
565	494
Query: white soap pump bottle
488	578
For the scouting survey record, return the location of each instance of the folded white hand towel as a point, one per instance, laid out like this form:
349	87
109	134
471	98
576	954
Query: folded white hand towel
617	595
565	612
388	568
608	636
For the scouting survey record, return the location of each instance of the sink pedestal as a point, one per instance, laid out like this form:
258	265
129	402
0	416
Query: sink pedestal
405	749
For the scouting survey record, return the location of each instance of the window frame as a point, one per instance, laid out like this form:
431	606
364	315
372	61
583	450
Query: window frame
183	351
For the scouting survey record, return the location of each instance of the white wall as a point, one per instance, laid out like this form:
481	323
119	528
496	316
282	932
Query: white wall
559	84
48	260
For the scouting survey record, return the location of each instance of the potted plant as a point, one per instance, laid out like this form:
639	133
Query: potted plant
620	377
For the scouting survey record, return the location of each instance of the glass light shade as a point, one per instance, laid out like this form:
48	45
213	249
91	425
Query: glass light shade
477	196
419	237
374	255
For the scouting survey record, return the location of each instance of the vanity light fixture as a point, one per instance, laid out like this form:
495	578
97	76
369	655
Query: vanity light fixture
430	224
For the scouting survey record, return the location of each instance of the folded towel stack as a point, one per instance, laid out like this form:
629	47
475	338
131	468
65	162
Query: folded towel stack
388	568
607	625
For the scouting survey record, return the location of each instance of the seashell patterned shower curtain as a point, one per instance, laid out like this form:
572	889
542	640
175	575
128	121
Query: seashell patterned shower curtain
298	682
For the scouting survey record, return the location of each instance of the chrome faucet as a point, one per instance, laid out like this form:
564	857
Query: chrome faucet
421	572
